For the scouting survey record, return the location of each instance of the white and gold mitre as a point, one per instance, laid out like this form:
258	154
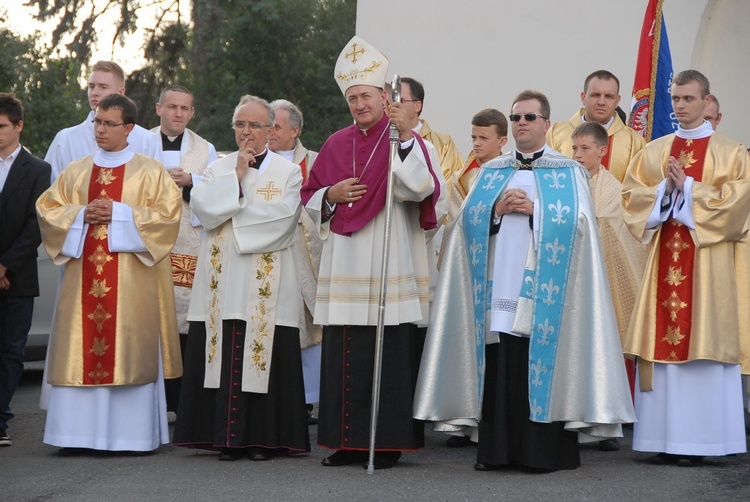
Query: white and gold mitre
360	64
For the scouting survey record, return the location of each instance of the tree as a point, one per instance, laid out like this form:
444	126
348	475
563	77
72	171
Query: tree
273	49
270	48
47	85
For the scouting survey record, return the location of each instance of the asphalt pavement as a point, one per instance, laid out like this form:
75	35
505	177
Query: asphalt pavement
33	471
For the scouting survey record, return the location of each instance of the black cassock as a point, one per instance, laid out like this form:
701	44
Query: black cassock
227	417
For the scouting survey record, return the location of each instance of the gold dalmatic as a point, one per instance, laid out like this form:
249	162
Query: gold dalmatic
674	294
99	292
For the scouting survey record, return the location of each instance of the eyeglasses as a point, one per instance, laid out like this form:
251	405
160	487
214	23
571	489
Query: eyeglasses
410	100
528	117
105	124
241	125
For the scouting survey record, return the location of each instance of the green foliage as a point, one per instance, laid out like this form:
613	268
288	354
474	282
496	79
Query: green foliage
47	85
269	48
166	51
274	49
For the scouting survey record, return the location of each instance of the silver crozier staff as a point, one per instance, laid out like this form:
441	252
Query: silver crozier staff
394	140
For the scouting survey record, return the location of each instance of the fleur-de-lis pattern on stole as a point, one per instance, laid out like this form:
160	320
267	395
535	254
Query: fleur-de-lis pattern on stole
99	281
546	286
674	292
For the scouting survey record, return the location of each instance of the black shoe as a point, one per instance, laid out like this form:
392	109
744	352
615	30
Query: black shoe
458	442
4	438
481	466
74	452
609	444
384	459
345	457
311	420
665	459
690	460
231	454
259	454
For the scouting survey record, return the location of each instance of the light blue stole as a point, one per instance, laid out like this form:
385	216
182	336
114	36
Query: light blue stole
545	287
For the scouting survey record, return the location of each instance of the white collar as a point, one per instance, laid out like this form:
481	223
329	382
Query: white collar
702	131
287	154
13	155
606	126
103	158
417	128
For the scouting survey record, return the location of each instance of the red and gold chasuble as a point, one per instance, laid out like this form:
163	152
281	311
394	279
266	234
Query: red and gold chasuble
674	294
99	285
605	159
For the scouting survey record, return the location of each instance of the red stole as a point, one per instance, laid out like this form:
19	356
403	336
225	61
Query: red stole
674	292
473	165
99	285
303	168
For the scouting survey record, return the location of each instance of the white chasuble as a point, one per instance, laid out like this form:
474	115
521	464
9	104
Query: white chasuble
246	269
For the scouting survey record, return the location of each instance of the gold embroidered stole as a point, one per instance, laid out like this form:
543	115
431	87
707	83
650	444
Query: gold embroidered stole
674	292
216	286
99	285
184	255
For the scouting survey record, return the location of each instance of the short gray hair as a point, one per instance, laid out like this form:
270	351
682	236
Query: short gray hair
295	115
249	99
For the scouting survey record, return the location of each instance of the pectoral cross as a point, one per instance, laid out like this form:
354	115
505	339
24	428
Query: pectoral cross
268	191
354	52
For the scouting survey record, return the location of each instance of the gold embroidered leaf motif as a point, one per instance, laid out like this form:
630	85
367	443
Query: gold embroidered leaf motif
677	246
99	316
106	176
100	258
672	356
99	288
674	276
99	373
686	159
104	195
99	232
99	347
673	304
673	336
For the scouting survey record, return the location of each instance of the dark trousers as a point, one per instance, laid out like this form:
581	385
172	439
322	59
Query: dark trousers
15	322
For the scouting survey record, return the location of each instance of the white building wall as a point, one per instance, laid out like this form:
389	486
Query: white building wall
474	54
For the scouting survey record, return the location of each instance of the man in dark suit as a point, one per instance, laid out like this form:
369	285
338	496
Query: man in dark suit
23	178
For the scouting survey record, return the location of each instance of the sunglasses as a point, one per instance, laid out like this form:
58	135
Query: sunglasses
529	117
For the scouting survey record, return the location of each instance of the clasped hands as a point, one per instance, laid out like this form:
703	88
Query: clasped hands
675	176
98	212
514	200
180	177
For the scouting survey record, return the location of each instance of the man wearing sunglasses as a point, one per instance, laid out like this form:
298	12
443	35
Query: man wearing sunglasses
508	339
600	97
